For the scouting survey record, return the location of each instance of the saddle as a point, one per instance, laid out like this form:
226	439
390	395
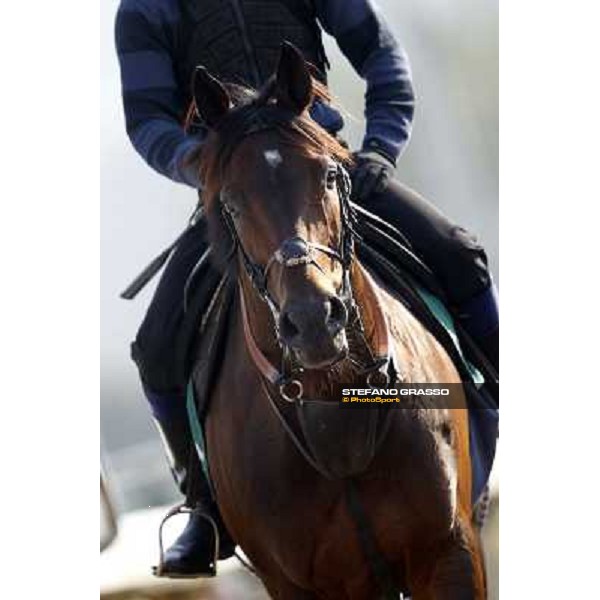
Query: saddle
384	251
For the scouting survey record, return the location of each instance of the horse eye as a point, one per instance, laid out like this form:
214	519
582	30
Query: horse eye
331	178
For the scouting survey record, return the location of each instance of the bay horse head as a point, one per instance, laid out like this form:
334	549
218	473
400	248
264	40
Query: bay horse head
275	181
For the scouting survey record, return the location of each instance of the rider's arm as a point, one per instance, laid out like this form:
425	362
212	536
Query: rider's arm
367	41
153	103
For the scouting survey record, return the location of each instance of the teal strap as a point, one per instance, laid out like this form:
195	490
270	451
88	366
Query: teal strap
440	312
197	433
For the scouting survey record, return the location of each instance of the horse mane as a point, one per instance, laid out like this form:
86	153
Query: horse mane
255	111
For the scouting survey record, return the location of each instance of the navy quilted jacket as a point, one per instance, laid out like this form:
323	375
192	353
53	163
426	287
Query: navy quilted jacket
146	34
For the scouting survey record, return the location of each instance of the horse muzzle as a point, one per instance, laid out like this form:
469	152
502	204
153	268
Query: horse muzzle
314	329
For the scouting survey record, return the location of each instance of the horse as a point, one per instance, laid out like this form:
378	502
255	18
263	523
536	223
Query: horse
307	316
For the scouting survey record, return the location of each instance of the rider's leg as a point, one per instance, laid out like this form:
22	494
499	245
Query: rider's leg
458	260
191	555
155	353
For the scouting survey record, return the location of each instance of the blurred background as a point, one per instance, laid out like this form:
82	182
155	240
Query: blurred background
452	160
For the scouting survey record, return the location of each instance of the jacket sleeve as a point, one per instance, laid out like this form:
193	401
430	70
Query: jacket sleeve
366	40
153	103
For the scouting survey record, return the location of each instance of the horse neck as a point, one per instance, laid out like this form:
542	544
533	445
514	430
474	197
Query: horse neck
367	297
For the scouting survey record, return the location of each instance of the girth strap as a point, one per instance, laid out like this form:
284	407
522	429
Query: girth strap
380	569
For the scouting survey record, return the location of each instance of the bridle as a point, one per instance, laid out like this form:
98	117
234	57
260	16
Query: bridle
297	251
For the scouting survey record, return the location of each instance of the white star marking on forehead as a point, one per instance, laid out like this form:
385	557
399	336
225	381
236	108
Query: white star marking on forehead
273	157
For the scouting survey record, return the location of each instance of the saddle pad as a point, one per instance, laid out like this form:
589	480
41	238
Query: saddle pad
207	356
442	314
483	416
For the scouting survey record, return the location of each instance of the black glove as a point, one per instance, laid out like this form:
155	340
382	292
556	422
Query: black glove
370	174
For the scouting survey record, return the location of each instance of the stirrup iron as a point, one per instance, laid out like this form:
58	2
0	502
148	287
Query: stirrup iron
159	570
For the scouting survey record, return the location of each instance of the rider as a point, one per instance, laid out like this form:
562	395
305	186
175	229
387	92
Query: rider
159	43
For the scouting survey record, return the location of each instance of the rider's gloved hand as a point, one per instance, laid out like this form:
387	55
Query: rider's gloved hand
370	174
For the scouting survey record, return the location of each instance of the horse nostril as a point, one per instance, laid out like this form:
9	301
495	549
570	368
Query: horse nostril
305	321
338	315
287	329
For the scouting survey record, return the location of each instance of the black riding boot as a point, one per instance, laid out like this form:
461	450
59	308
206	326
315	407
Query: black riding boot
193	553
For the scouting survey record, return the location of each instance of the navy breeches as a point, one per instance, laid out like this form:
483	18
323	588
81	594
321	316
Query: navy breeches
156	349
454	255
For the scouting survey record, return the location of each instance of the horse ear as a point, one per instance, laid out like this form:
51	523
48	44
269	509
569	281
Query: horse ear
293	83
210	97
